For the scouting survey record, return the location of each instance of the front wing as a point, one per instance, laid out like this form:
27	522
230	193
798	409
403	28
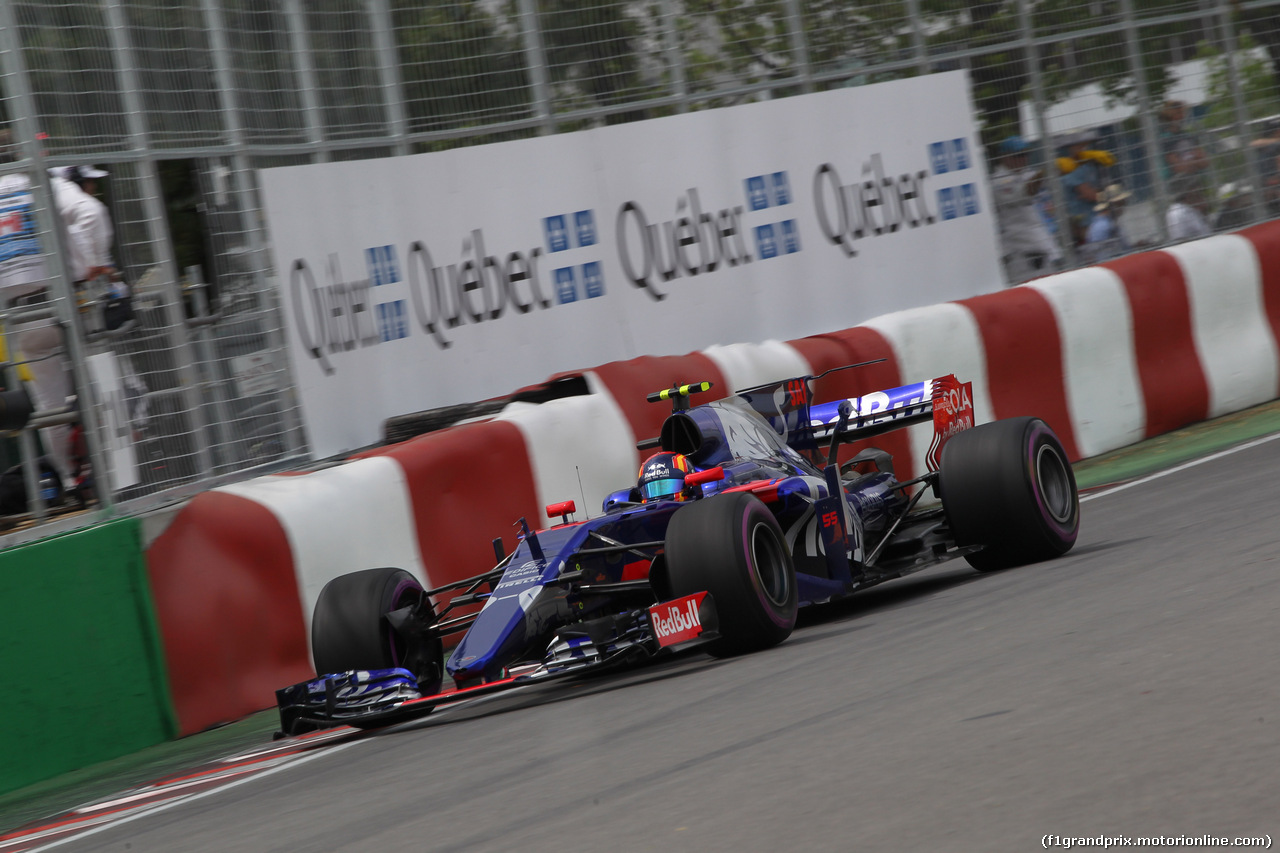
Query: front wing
370	699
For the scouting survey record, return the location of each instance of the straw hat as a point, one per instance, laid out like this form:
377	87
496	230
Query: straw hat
1110	196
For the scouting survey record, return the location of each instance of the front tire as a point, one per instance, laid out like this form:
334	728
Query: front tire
1008	486
732	547
349	629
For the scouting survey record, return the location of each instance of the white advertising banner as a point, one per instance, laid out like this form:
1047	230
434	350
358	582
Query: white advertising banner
117	423
415	282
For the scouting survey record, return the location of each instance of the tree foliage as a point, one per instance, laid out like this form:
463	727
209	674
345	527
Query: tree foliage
745	43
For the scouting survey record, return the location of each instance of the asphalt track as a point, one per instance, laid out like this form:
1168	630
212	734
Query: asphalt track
1127	689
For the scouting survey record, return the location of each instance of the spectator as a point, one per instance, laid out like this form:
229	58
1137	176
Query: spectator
24	283
86	219
1185	218
1082	170
1048	218
1105	239
1235	207
89	238
1267	151
1183	162
1026	243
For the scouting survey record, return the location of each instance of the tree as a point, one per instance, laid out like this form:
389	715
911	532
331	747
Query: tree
734	44
460	66
1260	99
592	48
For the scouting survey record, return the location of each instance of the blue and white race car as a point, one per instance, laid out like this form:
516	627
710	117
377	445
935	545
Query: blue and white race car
742	516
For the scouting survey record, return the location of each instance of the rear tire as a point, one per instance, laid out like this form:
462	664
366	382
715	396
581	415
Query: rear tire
1008	485
349	630
732	547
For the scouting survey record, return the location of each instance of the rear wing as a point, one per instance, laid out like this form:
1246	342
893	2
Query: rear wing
946	401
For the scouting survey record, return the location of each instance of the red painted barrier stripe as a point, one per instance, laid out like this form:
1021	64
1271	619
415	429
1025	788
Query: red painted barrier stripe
1174	388
630	381
853	346
1024	359
227	600
467	484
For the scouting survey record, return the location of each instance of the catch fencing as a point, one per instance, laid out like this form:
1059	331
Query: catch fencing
184	101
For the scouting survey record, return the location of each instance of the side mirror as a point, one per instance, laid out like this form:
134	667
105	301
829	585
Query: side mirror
621	499
697	478
563	509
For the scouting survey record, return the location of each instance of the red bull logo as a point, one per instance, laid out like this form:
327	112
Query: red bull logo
677	621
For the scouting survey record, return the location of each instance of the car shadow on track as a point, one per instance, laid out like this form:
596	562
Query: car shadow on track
682	663
1095	548
837	617
890	594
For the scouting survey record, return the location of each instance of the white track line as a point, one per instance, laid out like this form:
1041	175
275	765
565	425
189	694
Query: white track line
1185	465
168	804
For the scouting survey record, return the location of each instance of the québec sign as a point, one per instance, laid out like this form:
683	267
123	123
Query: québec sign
416	282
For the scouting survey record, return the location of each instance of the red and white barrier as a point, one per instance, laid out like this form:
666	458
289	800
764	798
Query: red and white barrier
1101	387
1235	343
1106	355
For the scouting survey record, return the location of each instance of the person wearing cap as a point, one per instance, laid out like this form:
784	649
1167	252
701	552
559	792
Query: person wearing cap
1185	218
1235	207
1104	239
1028	248
1183	162
1082	178
1266	149
86	219
90	235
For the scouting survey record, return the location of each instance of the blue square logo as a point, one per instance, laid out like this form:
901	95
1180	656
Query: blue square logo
938	157
790	236
566	285
584	226
968	200
593	279
391	321
959	154
947	203
781	189
757	193
557	233
383	268
766	243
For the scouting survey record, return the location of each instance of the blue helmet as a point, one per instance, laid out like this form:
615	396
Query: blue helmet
662	477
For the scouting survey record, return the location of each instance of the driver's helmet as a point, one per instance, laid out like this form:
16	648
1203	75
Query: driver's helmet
662	477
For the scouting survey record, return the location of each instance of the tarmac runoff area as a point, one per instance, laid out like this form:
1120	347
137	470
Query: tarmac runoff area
1095	477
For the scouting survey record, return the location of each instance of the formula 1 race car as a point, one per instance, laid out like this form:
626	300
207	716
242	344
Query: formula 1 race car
744	516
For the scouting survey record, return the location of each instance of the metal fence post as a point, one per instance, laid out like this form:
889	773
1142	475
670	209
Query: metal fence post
244	190
384	48
675	59
1241	108
300	49
535	59
1066	240
157	225
24	119
918	45
1150	132
799	44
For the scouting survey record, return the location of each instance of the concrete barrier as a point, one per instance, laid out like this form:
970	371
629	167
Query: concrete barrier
238	571
82	660
1107	355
